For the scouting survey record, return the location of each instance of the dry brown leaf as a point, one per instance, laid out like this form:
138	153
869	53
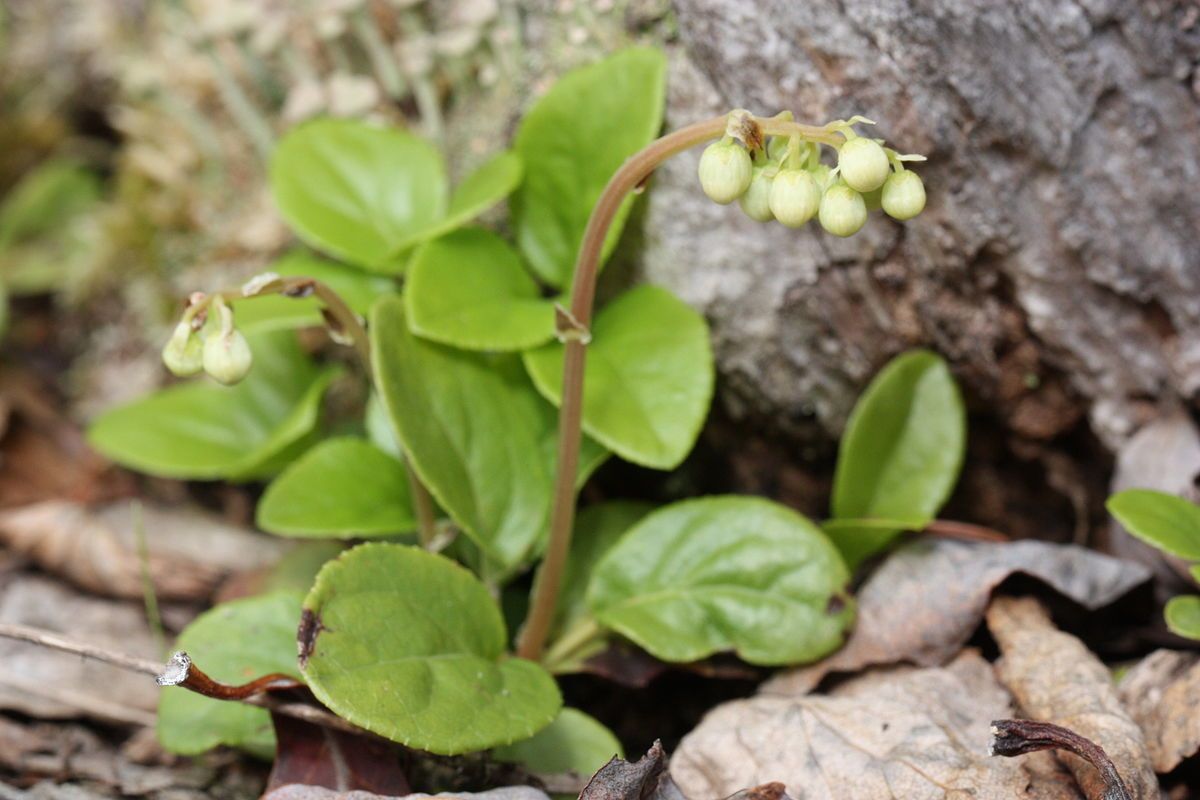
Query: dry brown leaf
922	605
1055	678
190	551
47	684
902	732
1162	694
644	779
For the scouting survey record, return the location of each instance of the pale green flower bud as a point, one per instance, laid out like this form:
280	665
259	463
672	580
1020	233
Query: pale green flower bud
755	201
843	211
820	174
184	351
903	195
863	164
725	171
874	200
795	197
227	356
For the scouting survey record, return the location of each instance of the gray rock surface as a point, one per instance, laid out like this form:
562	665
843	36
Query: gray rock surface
1054	265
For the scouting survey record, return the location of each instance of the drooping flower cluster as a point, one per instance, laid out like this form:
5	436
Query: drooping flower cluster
206	339
784	179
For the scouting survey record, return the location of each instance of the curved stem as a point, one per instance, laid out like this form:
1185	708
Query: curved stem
629	177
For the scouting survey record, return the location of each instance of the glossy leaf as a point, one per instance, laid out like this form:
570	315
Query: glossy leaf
649	378
344	487
1183	615
200	430
902	450
409	645
574	742
234	642
357	191
703	576
572	141
274	312
1163	520
469	289
474	430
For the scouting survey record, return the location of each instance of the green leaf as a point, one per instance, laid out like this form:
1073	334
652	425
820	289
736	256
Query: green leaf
475	432
234	642
468	289
597	529
275	312
46	199
649	378
344	487
574	742
1183	615
902	450
380	429
483	188
1163	520
409	645
572	141
703	576
199	430
357	191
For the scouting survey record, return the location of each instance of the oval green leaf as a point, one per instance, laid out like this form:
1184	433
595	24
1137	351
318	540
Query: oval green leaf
649	378
199	430
469	289
1163	520
275	312
572	141
357	191
902	450
234	642
574	742
475	431
344	487
1183	615
704	576
409	645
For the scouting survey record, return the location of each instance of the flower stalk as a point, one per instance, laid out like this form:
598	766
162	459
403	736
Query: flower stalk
740	125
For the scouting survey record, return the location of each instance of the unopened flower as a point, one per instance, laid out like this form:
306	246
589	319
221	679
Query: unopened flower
903	195
756	201
795	197
725	171
863	164
184	351
843	212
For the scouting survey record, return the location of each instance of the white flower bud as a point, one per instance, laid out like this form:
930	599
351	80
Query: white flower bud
863	164
843	211
184	351
903	195
755	201
795	197
725	171
227	356
820	174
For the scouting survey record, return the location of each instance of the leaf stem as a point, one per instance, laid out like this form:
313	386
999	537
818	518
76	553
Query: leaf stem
632	174
567	653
